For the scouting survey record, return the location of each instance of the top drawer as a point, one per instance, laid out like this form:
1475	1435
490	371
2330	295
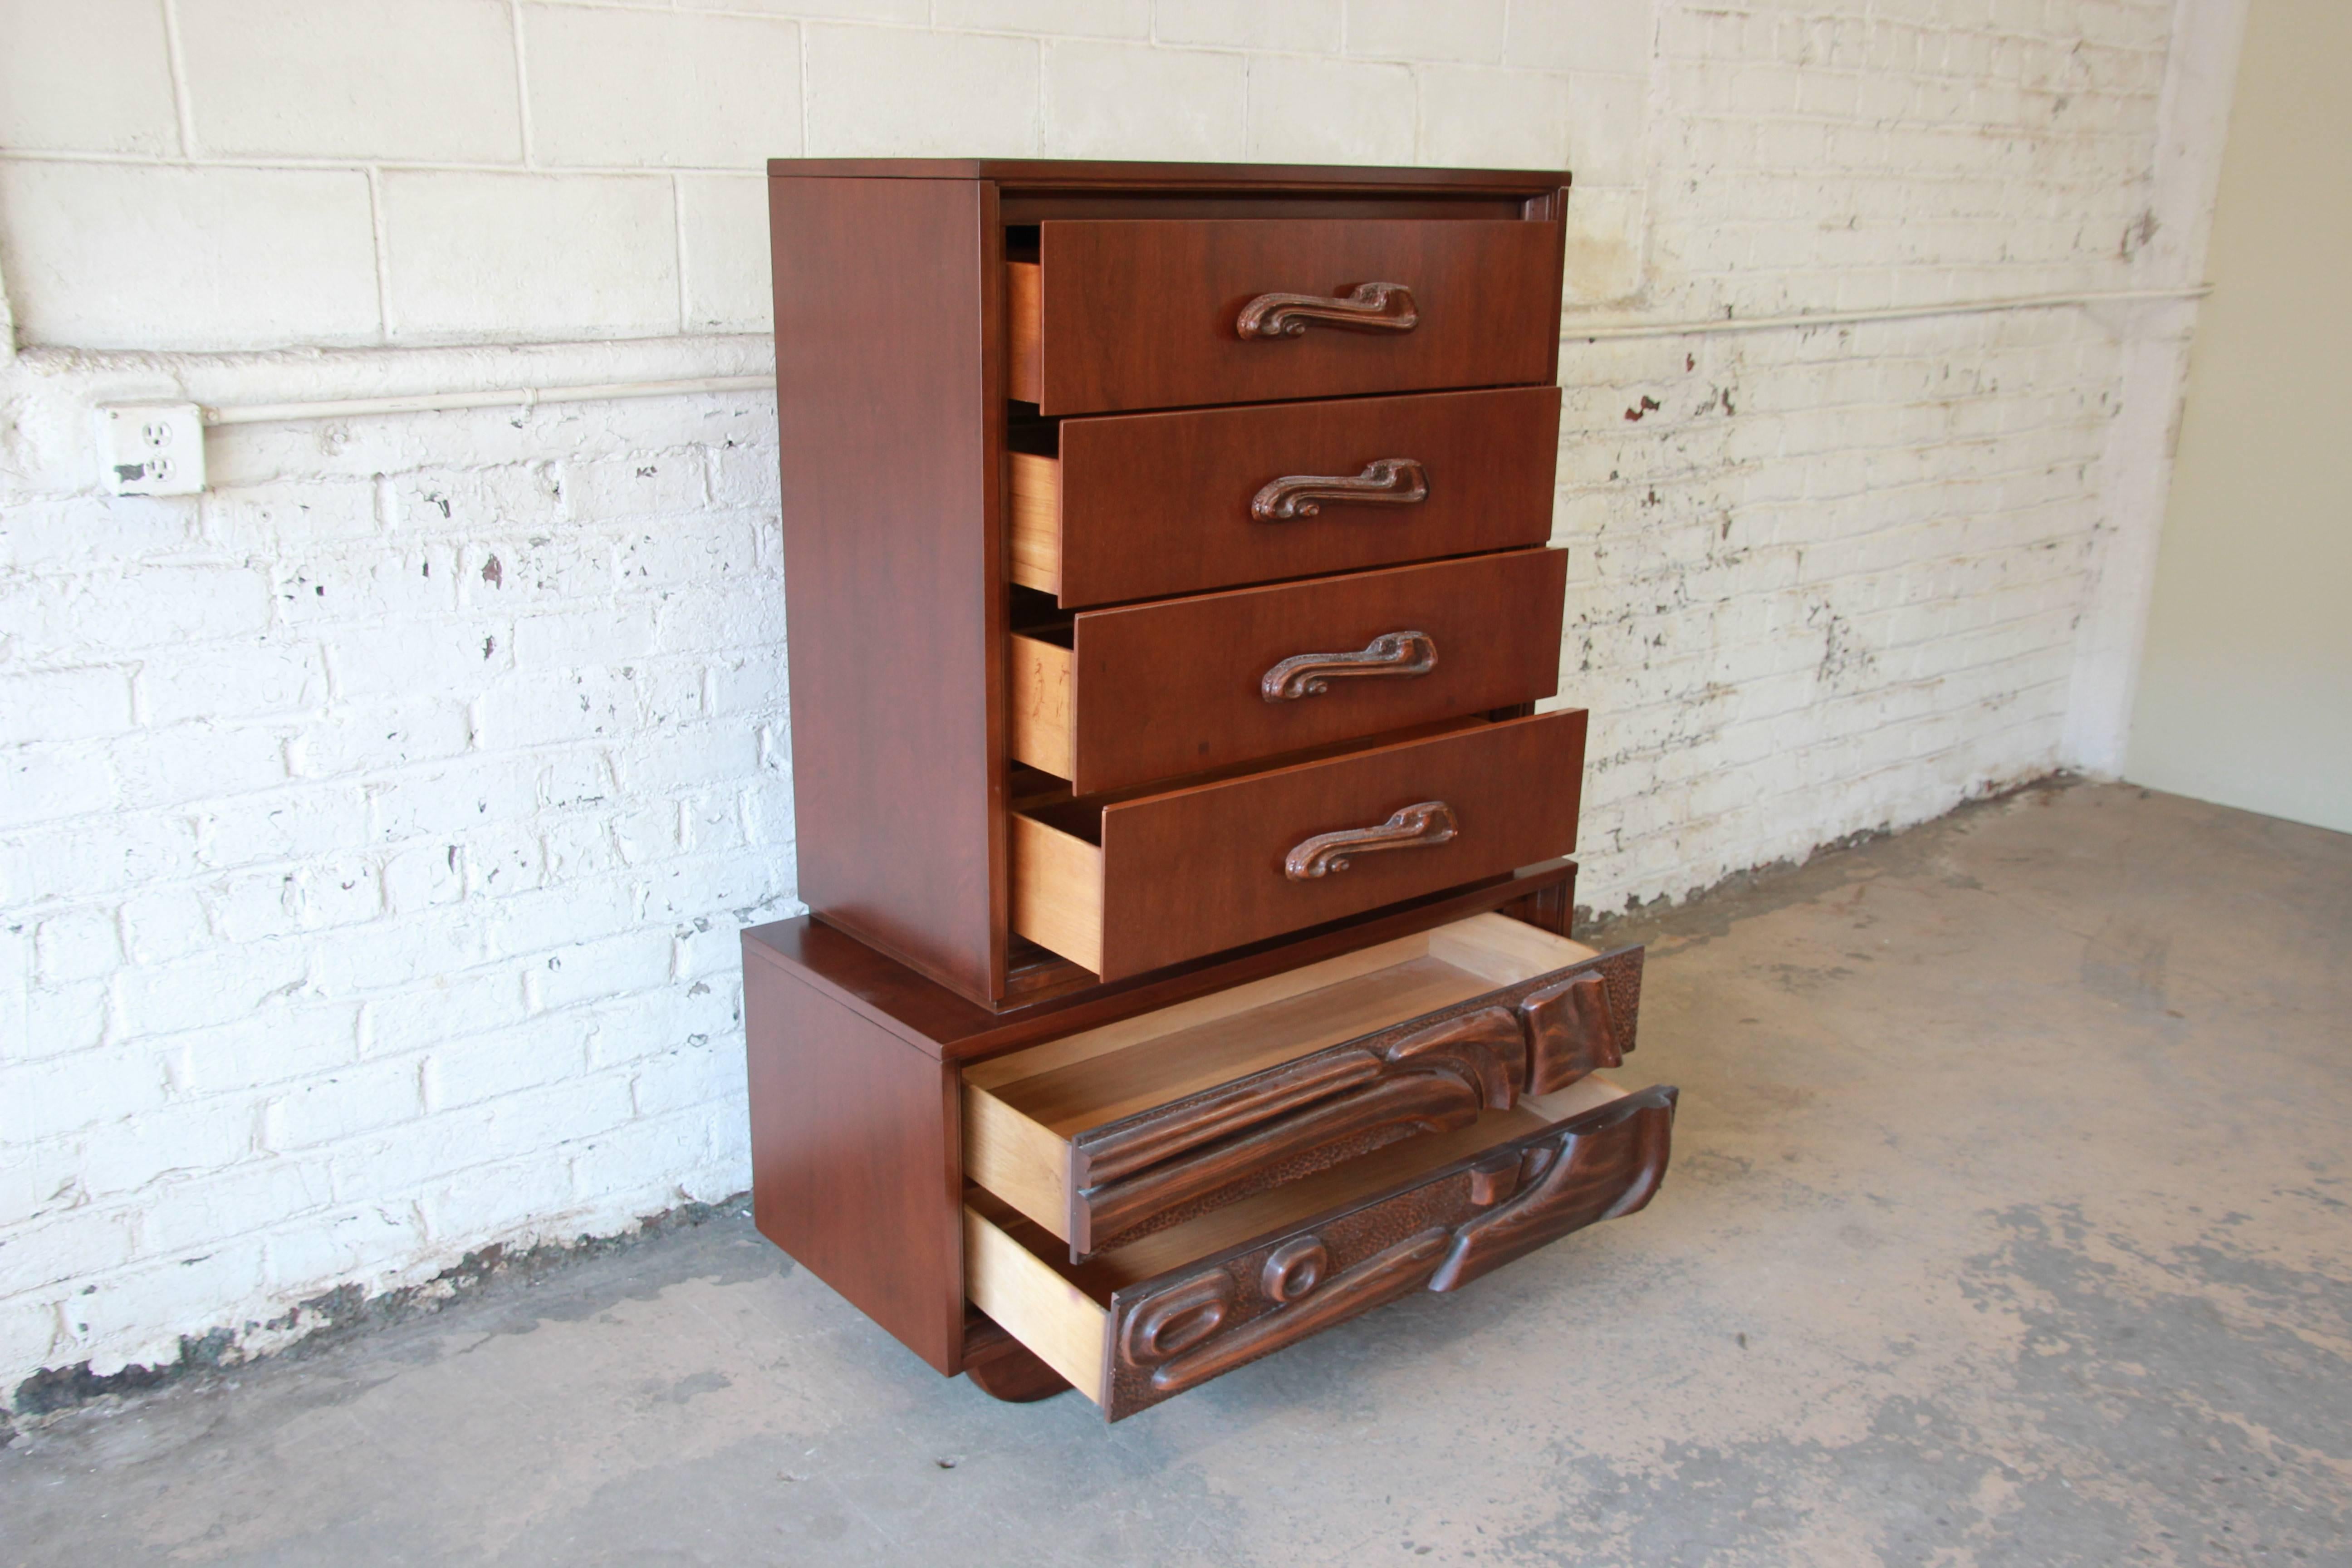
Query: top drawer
1167	312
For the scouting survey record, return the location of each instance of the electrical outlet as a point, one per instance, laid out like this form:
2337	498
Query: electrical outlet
151	448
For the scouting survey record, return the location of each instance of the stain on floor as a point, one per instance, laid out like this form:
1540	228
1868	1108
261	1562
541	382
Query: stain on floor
2008	1225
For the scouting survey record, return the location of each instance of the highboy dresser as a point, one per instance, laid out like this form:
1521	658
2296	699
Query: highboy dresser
1169	605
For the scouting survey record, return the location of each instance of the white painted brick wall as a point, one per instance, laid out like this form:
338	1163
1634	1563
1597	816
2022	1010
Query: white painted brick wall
376	827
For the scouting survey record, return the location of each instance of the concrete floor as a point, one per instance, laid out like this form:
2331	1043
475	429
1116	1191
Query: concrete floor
2008	1224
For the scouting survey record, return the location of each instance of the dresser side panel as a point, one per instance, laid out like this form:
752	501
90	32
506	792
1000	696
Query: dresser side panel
856	1150
884	418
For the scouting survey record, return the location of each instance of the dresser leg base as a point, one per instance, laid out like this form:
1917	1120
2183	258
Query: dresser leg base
1003	1368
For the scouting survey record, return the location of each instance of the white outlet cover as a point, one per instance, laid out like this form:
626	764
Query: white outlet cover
151	448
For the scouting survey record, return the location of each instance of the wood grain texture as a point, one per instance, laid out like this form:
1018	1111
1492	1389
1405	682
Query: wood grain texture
1141	313
1018	1130
1043	717
1014	1262
1147	505
948	1026
1057	891
1024	309
1195	870
1057	1320
1036	521
1175	687
889	484
854	1135
1427	1074
1440	1235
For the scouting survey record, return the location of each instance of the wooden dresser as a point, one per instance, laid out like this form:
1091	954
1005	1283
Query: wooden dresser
1169	602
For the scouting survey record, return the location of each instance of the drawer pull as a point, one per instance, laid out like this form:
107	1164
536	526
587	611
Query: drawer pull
1388	481
1607	1167
1600	1166
1415	826
1367	307
1400	1270
1306	674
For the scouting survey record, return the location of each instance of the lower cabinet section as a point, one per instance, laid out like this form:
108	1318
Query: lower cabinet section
1141	1324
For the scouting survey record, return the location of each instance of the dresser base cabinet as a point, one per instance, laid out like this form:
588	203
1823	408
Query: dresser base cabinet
1262	1158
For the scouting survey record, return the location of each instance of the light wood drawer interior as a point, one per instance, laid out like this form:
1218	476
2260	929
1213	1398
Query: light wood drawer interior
1021	1110
1025	309
1044	728
1036	521
1018	1273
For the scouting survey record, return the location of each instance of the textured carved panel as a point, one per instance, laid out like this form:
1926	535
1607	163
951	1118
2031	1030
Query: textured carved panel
1179	1330
1434	1073
1571	1031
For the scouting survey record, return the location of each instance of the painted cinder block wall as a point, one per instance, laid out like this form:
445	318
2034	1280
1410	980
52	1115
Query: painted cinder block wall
376	827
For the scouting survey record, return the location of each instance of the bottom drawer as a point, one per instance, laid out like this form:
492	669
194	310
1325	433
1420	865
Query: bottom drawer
1134	1326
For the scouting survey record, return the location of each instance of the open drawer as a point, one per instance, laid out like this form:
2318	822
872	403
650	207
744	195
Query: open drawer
1112	698
1109	1135
1143	506
1145	1322
1132	313
1130	885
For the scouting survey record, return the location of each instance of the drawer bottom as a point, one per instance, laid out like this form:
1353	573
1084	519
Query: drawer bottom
1144	1323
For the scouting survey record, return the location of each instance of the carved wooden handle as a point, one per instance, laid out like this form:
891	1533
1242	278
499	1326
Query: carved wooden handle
1415	826
1602	1165
1367	307
1387	481
1311	674
1598	1166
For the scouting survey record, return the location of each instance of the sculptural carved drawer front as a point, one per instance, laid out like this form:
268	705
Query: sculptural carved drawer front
1173	312
1146	1322
1137	506
1121	697
1109	1135
1130	885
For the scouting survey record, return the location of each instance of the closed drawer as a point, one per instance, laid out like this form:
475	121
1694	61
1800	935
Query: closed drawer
1121	697
1112	1134
1133	885
1164	313
1132	1327
1138	506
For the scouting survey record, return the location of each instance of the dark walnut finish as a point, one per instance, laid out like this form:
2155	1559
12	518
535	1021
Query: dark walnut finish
1432	1074
1174	1332
1280	568
1160	313
1143	505
892	534
1196	870
854	1135
1182	686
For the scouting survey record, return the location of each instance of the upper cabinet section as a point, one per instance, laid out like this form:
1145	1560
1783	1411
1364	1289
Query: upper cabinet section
1119	314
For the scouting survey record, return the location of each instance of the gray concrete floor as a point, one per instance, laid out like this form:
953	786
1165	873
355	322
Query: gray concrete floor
2008	1224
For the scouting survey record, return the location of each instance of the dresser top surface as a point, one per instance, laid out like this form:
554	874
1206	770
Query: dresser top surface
1050	174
